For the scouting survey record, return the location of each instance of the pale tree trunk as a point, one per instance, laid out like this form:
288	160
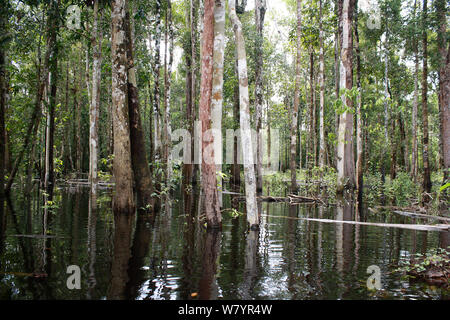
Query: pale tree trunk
426	146
260	11
156	76
345	164
386	104
217	88
322	91
359	120
337	59
168	39
444	87
123	173
208	176
95	104
311	113
414	150
294	120
236	168
246	139
142	176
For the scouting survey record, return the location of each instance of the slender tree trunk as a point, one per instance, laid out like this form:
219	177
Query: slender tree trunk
414	151
246	140
311	112
444	86
386	103
194	13
168	53
142	177
322	153
77	106
337	50
236	168
217	88
345	165
359	133
187	167
260	11
3	19
95	104
294	121
426	146
156	76
209	182
123	174
53	79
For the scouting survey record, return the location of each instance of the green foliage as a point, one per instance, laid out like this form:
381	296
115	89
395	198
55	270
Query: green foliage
402	189
419	263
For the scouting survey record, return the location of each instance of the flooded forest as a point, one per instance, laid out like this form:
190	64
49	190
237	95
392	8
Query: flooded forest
224	149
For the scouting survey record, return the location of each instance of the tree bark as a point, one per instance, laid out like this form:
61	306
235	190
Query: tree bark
123	198
426	147
294	121
156	76
260	11
3	19
444	86
217	88
345	164
359	120
209	181
246	139
95	104
53	78
322	154
142	177
414	151
168	42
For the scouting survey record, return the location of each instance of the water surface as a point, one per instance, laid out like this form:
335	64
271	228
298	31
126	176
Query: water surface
130	257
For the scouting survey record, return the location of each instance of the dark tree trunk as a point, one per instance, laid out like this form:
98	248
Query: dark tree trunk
142	177
426	145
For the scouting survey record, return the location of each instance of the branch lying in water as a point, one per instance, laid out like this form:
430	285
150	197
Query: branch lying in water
421	227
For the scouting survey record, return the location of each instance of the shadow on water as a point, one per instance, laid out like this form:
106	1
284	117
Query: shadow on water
174	257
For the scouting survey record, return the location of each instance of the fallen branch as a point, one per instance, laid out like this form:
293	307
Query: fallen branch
419	215
421	227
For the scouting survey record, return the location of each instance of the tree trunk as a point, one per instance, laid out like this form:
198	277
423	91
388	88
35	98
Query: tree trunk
209	182
156	76
359	120
426	146
217	88
444	86
236	168
53	78
322	91
123	174
246	139
345	165
95	104
3	19
414	151
311	112
168	41
187	167
260	11
142	177
294	121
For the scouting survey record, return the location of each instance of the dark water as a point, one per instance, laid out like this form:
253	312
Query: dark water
175	258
